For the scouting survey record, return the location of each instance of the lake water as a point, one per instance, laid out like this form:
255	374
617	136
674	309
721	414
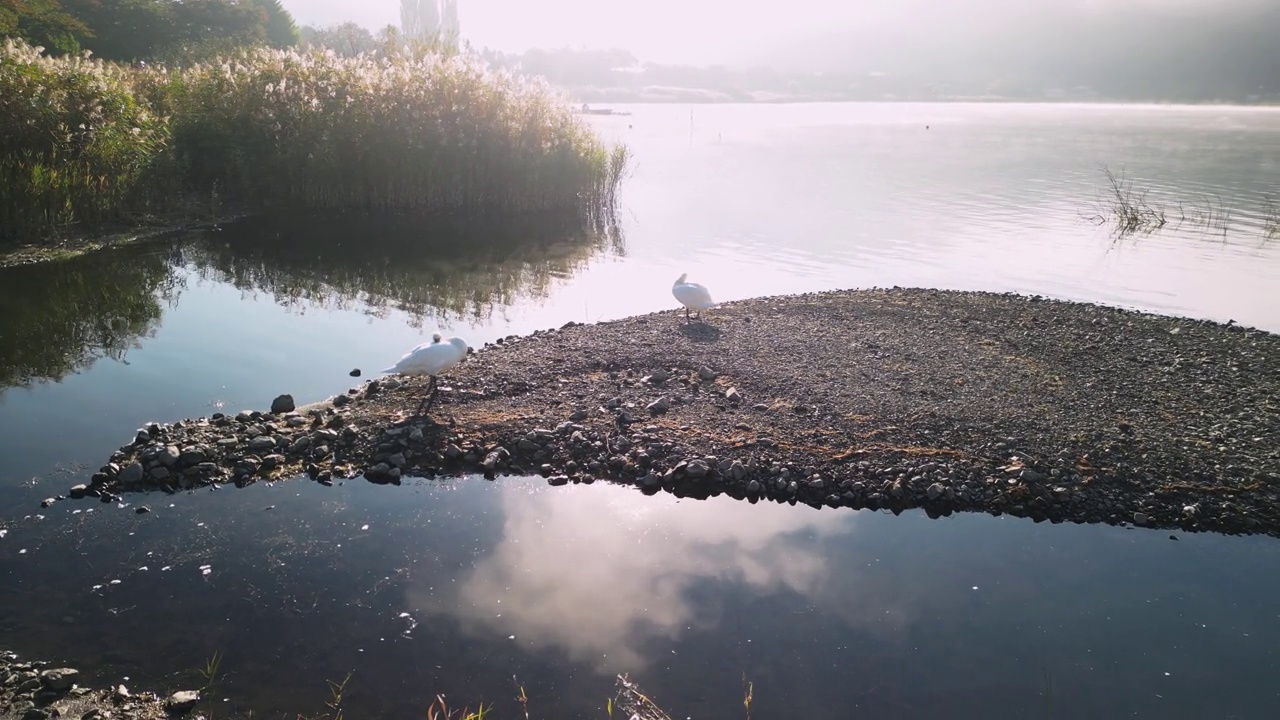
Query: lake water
827	613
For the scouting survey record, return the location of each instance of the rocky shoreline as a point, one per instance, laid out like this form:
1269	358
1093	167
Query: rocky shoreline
39	690
881	399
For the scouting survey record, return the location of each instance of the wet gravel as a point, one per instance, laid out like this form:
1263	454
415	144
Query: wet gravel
883	399
39	690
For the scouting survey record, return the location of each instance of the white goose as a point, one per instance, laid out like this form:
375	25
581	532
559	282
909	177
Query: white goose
431	359
692	296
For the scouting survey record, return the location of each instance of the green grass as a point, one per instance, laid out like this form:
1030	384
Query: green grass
210	671
85	143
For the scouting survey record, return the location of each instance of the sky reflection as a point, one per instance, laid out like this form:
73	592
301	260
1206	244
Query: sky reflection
599	573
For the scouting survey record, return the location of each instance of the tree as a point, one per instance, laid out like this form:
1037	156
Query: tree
347	39
280	29
144	30
124	29
419	19
42	22
450	28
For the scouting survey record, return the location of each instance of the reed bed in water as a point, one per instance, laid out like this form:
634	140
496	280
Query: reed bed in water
423	131
87	141
75	143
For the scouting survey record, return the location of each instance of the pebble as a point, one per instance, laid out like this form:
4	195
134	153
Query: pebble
733	396
168	456
131	475
59	679
696	469
262	443
183	700
659	406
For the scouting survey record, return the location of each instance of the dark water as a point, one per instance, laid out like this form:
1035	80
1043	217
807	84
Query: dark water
455	587
829	614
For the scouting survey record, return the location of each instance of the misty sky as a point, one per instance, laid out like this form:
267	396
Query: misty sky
660	30
707	31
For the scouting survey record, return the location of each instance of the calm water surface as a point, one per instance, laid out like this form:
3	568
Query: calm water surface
823	611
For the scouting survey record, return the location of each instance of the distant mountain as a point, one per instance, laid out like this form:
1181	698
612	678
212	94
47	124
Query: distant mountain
1123	50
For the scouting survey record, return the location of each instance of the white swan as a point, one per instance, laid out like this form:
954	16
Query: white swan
692	296
431	359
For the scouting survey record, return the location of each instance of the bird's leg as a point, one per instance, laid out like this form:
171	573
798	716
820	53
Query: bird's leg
426	401
686	315
435	389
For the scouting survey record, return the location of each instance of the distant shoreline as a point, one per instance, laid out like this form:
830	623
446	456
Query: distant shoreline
595	100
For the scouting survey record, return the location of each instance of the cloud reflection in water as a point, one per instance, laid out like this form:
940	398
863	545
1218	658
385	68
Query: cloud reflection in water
598	573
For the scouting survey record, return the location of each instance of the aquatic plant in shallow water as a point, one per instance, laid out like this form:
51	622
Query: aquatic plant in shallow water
75	144
415	132
90	142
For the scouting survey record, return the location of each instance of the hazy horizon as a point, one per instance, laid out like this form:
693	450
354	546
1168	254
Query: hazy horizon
803	35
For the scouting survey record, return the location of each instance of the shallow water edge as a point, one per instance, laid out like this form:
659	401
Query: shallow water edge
882	399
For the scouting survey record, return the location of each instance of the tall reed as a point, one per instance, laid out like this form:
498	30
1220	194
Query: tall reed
75	145
419	131
415	132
